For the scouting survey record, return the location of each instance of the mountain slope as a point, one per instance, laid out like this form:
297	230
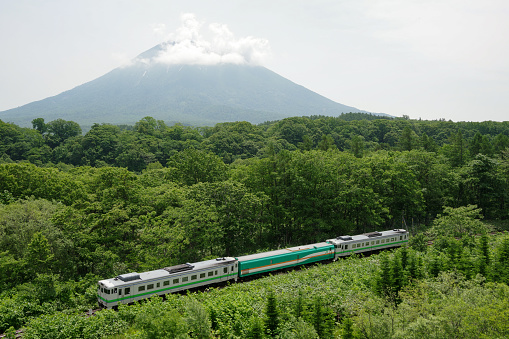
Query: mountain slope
201	95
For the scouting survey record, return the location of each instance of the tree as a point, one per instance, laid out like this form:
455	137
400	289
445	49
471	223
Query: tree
500	143
484	184
299	306
347	331
60	130
193	166
157	323
427	143
256	328
475	146
326	143
39	125
501	269
299	329
458	149
459	222
272	315
101	144
357	145
485	258
38	257
198	320
406	141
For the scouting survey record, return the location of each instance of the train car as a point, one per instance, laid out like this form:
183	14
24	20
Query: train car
275	260
131	287
367	242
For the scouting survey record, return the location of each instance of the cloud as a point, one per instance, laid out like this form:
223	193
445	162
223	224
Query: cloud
188	46
159	29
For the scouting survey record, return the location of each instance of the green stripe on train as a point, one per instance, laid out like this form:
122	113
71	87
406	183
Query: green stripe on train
371	247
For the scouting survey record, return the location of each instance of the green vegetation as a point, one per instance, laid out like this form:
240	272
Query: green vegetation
76	208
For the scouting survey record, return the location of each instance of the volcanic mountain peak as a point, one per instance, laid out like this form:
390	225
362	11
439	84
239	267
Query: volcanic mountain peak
200	94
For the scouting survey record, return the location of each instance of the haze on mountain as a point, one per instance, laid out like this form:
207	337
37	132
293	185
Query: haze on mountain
189	79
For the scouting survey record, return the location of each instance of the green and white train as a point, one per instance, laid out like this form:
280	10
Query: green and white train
131	287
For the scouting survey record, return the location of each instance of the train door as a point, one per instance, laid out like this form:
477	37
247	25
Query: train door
125	295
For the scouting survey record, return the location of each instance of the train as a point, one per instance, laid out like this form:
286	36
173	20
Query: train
131	287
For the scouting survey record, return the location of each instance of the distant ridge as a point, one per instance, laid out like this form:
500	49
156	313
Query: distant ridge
190	94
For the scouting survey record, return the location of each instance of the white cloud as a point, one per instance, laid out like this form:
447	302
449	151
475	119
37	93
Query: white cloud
188	46
159	29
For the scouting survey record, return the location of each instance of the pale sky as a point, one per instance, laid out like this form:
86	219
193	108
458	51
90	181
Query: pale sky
434	59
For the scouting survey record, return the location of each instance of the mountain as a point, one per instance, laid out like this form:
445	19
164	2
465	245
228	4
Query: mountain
191	94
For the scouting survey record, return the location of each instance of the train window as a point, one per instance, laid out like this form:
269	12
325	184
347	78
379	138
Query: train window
211	273
175	281
115	290
166	283
378	241
102	290
158	284
400	237
225	270
232	268
216	272
346	247
120	292
202	275
141	288
193	277
107	291
127	290
150	286
383	241
185	279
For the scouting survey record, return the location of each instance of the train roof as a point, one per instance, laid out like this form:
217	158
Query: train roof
366	236
282	251
171	271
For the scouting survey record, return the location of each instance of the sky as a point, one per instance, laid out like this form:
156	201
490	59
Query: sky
433	59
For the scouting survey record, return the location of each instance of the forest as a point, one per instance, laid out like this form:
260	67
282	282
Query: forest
77	207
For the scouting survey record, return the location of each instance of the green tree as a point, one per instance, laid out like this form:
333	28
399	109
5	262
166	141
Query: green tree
38	257
500	143
198	320
192	166
501	266
407	139
271	315
484	185
101	144
459	222
39	125
427	143
256	330
458	149
485	258
347	331
357	145
326	143
60	130
300	330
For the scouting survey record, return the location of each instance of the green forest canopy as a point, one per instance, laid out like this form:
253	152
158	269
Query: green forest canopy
77	207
